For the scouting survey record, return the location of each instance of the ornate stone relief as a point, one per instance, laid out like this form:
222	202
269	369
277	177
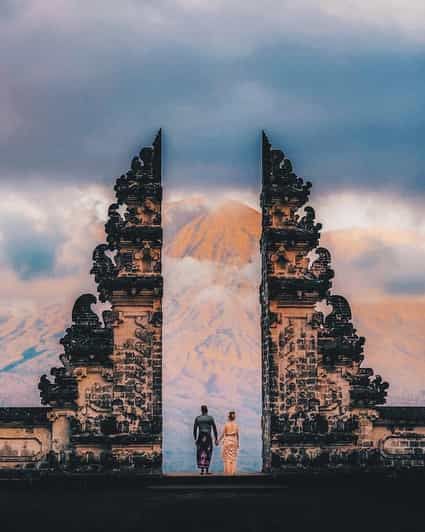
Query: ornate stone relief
312	379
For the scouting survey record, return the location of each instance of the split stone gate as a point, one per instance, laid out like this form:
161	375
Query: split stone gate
103	405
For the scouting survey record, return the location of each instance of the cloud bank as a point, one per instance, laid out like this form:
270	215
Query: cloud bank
337	84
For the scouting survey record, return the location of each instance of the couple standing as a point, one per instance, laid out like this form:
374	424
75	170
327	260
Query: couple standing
202	428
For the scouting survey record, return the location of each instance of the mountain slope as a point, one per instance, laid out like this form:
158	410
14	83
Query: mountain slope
228	235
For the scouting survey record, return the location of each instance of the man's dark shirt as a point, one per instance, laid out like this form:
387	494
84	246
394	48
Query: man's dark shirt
204	424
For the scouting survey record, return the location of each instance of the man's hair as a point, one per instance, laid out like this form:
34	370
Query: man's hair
232	415
204	409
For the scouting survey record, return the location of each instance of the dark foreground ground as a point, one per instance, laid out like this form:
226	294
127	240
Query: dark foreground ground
364	503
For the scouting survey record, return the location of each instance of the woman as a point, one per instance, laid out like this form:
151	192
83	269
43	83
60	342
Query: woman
230	439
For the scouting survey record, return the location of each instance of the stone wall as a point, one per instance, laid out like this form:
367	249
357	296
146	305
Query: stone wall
25	437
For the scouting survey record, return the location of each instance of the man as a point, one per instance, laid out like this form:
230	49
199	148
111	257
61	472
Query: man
202	435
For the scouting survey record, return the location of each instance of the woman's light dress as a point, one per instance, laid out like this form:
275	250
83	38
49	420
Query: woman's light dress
230	447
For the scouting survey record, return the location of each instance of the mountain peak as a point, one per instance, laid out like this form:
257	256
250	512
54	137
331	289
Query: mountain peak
227	234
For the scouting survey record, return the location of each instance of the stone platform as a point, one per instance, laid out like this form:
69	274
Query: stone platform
238	504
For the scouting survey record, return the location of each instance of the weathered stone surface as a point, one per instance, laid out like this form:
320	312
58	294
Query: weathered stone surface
318	402
135	292
106	399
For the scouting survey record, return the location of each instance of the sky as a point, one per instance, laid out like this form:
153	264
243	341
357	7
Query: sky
339	85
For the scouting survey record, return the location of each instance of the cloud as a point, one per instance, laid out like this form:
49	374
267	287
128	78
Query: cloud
340	89
367	271
380	16
365	209
27	244
35	256
46	240
406	284
370	265
376	241
212	23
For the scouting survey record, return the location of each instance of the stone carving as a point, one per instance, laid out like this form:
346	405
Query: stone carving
312	379
62	392
113	226
321	267
134	371
103	267
87	341
99	397
307	221
367	392
402	445
25	416
148	213
278	173
280	260
19	449
136	237
124	353
338	340
144	261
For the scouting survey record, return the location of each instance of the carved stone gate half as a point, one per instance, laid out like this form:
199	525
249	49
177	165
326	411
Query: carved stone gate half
318	402
110	387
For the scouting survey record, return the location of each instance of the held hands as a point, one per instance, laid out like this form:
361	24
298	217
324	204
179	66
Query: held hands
216	441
